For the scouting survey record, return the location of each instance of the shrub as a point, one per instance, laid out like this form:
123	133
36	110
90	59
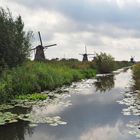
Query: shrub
104	63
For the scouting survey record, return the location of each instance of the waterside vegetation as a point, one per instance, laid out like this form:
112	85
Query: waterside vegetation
35	77
136	76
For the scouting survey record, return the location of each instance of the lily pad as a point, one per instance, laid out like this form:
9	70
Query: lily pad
33	125
5	107
8	117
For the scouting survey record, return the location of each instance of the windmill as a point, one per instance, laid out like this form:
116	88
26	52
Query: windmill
132	59
93	58
85	55
39	54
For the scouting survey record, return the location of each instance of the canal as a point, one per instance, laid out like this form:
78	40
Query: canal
103	108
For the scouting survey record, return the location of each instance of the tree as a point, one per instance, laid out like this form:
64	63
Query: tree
104	63
14	41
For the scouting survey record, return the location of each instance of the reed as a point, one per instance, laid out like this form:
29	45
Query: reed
34	77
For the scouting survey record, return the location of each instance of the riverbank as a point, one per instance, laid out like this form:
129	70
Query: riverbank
34	77
136	76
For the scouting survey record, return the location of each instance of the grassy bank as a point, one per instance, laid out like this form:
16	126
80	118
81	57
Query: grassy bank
121	64
35	77
136	71
136	76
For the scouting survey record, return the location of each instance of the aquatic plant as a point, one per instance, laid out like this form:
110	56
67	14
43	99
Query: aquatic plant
7	117
53	121
33	116
5	107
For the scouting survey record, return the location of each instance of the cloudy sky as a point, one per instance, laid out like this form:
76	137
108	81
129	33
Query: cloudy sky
111	26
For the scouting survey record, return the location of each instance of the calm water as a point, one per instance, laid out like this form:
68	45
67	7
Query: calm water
90	109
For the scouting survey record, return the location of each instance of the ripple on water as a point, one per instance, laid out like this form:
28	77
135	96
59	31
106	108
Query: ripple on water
132	102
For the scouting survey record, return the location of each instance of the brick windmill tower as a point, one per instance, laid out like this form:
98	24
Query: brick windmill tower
39	54
85	55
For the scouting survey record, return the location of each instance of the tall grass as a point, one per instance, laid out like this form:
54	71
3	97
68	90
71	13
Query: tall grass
136	70
136	76
38	76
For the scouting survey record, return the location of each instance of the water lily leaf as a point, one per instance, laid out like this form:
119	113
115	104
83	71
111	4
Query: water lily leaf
33	125
62	123
8	117
53	124
5	107
13	121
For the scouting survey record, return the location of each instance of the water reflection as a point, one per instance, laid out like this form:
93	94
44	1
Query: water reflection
15	131
126	69
106	132
104	83
132	101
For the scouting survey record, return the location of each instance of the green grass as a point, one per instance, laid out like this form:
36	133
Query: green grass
32	97
136	76
136	70
34	77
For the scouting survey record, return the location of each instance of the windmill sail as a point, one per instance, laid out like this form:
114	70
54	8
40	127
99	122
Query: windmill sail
40	39
85	49
49	46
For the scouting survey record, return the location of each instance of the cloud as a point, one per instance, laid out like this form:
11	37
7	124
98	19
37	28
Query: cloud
103	25
92	12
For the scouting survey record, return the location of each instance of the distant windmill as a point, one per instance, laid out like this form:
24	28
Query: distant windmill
85	55
132	59
39	54
93	58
